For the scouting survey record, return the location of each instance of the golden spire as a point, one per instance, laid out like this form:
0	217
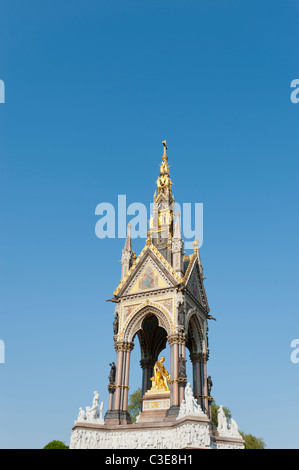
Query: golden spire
164	182
164	167
162	217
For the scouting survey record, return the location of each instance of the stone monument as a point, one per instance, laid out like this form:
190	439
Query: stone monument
160	299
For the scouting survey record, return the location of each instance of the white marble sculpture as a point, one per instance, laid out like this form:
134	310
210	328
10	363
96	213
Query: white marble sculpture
189	406
93	413
81	415
234	429
222	427
101	413
227	429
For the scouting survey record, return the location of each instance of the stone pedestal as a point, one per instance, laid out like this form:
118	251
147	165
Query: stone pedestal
191	429
190	432
115	417
155	403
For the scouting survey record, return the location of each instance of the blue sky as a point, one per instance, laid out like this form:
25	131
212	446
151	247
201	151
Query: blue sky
92	88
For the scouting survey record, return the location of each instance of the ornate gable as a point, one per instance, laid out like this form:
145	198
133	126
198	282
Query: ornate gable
194	283
149	277
151	271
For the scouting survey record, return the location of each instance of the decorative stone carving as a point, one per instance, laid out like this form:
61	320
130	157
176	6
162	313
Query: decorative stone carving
189	407
195	434
156	404
177	245
234	429
177	338
94	413
123	346
221	445
81	415
222	427
227	429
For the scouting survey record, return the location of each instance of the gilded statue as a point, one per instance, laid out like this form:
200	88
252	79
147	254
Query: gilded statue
161	378
162	181
164	167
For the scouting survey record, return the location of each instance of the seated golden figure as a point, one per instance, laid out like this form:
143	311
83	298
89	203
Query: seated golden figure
161	378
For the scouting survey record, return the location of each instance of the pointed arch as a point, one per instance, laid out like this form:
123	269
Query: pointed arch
135	323
194	333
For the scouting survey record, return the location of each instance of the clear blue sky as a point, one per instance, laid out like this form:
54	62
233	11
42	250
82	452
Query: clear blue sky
92	88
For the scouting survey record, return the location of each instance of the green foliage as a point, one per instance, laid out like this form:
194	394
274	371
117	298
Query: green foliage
56	445
134	406
252	442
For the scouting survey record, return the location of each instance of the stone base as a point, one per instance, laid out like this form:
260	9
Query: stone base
190	432
155	404
173	411
117	417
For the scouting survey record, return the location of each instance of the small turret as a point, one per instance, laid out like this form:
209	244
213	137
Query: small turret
127	258
178	247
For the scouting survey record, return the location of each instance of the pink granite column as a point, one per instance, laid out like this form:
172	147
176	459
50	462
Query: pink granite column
111	394
184	351
175	385
176	341
119	373
130	346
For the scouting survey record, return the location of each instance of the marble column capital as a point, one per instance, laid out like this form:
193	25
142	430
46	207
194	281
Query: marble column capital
199	357
123	346
176	338
147	363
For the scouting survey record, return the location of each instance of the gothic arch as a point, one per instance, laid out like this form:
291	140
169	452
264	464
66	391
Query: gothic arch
135	323
194	332
152	338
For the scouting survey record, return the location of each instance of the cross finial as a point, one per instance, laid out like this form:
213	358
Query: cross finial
164	157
